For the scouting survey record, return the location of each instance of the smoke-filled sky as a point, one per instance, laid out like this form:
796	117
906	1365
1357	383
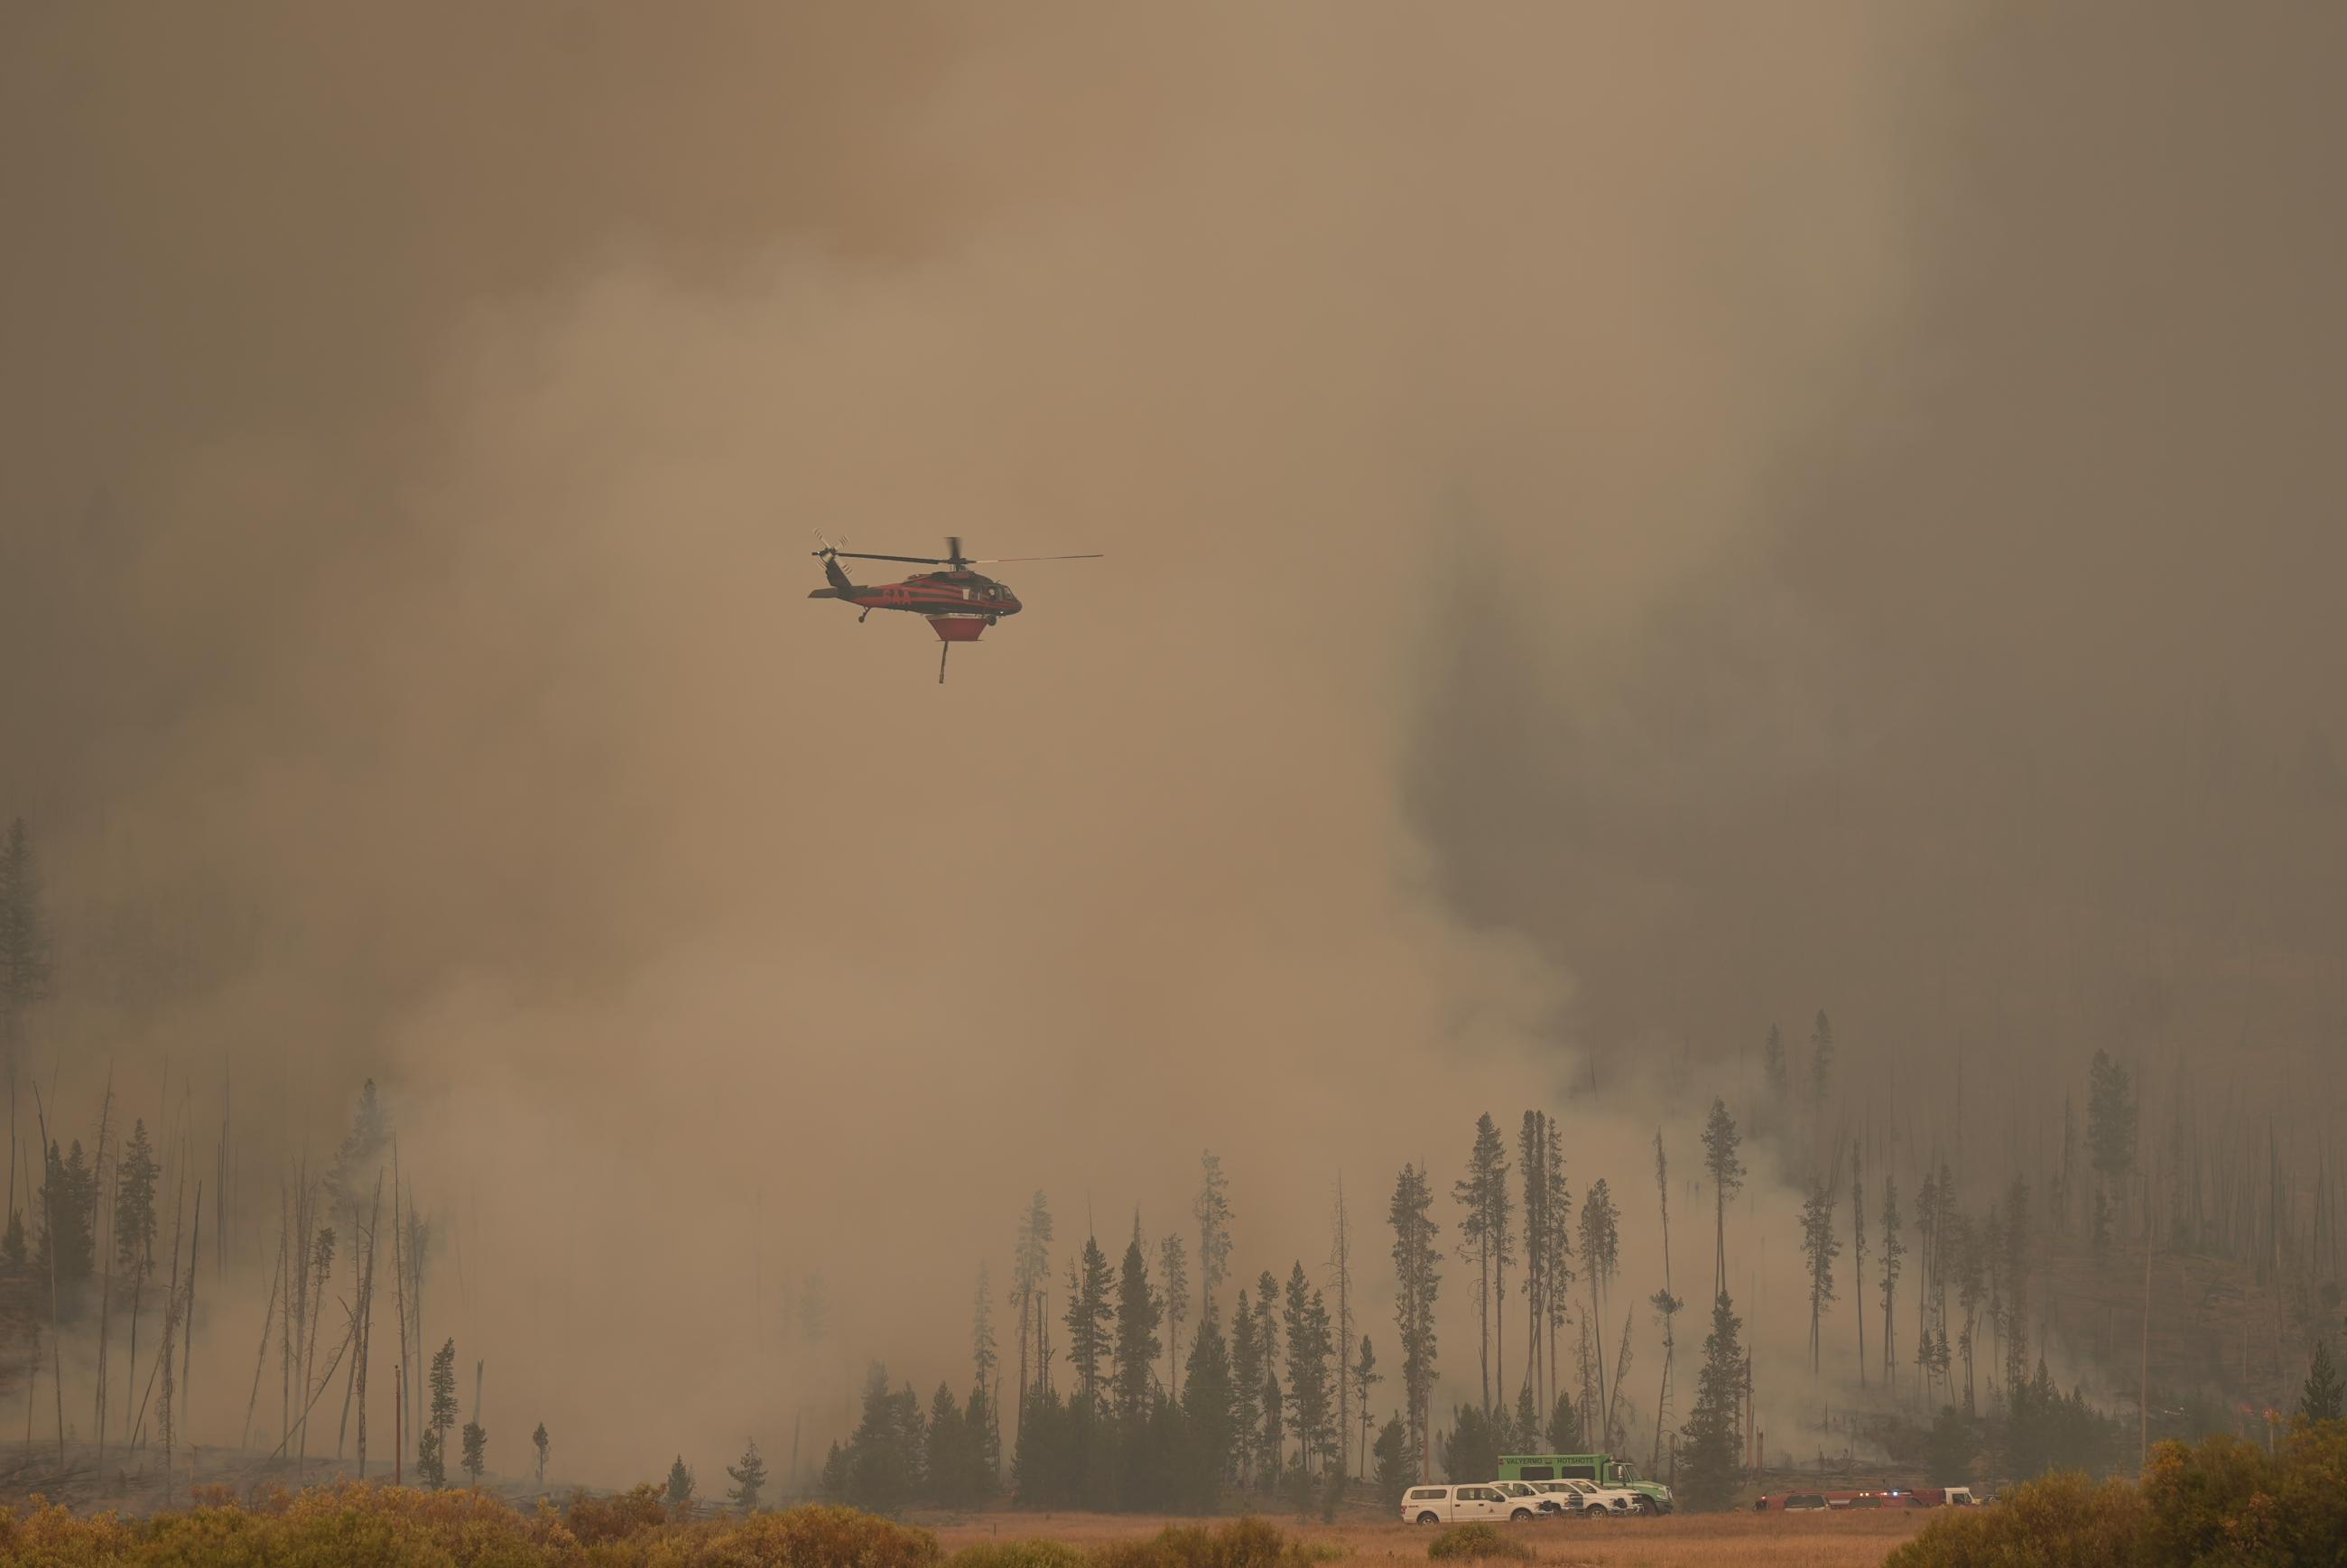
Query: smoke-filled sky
1622	523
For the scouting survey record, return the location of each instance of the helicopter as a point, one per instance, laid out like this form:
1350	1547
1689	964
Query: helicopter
959	603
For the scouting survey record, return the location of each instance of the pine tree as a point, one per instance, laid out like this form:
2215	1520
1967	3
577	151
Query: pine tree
2111	1117
1600	1250
679	1484
442	1413
1340	1275
1948	1454
1246	1387
2320	1398
2015	1272
1858	1253
1272	1442
68	1215
1309	1347
1821	1058
947	1458
1364	1376
1772	1064
1088	1318
1720	1142
982	1356
13	1250
476	1451
982	1447
1417	1282
1174	1282
1710	1457
1483	1237
1665	1305
1212	1210
1208	1398
1563	1432
1927	1214
1031	1268
538	1440
1532	1162
135	1173
749	1479
1271	1438
1964	1262
1396	1467
1134	1353
1523	1435
1819	1247
1891	1253
362	1152
1556	1264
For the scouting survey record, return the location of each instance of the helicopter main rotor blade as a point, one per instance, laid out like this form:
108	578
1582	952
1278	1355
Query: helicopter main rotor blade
1003	560
860	555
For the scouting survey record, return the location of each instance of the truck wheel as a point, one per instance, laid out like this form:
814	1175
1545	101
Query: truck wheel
1428	1519
1520	1515
1592	1511
1649	1507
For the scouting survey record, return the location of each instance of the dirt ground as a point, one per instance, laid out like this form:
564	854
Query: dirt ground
1759	1540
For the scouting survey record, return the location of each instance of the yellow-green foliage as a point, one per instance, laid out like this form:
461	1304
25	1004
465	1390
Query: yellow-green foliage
1020	1554
404	1526
1477	1541
2223	1502
2061	1519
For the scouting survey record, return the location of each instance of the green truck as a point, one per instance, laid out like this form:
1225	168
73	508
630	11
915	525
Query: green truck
1602	1469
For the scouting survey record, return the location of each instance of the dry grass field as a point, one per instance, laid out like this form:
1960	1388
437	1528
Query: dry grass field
1714	1540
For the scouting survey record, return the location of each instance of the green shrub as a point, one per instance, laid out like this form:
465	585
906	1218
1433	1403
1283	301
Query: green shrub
815	1538
2061	1519
405	1525
595	1520
2229	1501
2222	1503
1477	1541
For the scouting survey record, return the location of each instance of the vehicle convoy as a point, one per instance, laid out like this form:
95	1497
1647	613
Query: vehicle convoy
1880	1496
1452	1504
1604	1470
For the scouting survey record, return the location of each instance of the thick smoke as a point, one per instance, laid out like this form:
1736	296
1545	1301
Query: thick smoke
1566	478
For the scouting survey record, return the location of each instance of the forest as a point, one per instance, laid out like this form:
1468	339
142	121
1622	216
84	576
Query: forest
1940	1300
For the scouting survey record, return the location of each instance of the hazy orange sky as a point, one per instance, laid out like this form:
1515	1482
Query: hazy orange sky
1623	524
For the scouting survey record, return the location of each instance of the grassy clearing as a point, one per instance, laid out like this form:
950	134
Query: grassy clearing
401	1525
1716	1541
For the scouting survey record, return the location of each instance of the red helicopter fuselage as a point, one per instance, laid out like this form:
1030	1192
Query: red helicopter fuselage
959	603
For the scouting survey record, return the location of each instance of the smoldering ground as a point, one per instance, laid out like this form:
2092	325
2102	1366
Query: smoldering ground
422	421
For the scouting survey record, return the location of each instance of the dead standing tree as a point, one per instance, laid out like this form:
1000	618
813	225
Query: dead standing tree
366	1318
106	1287
268	1321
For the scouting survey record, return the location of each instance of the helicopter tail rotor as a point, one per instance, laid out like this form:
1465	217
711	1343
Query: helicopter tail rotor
832	573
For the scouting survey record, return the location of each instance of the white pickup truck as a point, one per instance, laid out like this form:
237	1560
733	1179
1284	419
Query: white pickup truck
1448	1504
1591	1501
